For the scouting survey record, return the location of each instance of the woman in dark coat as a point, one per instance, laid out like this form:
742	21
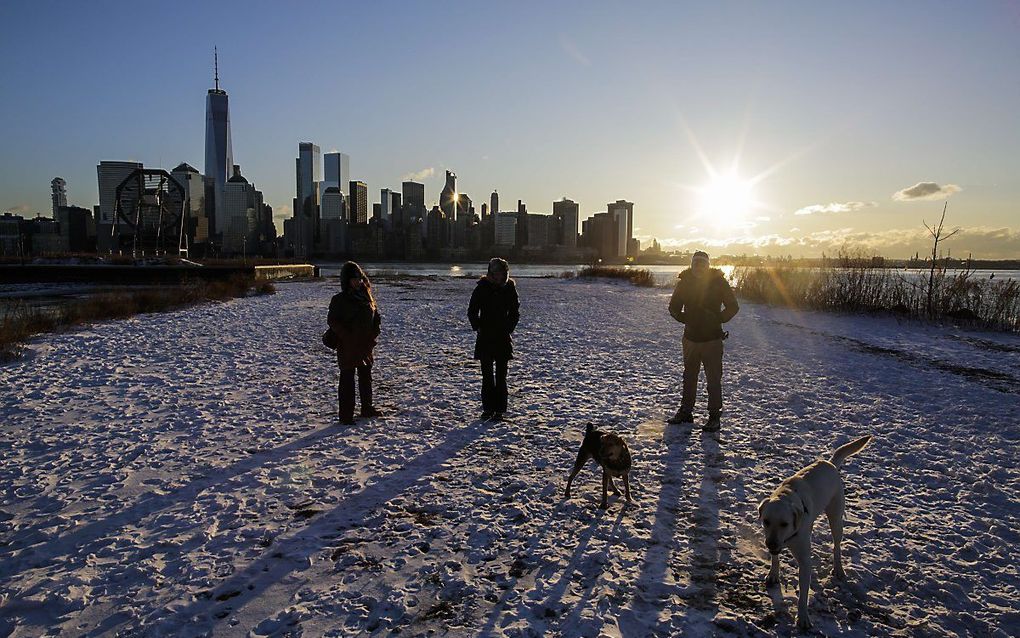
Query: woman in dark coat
354	320
494	312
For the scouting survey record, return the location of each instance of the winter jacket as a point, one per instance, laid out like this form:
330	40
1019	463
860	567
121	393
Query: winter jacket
494	312
355	321
696	303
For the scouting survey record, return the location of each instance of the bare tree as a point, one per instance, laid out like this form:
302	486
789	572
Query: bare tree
937	237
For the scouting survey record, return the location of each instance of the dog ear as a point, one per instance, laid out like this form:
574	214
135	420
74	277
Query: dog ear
590	427
798	513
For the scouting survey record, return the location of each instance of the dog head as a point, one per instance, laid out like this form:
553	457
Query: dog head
780	518
612	447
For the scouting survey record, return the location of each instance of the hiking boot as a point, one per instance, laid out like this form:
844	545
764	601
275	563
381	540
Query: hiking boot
712	425
497	417
681	416
370	412
486	415
347	421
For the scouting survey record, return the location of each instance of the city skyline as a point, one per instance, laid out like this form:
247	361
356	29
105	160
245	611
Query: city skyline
837	140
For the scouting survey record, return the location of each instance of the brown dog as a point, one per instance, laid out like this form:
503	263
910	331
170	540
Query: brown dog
610	451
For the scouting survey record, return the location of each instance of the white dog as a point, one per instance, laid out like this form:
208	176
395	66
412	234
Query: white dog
788	515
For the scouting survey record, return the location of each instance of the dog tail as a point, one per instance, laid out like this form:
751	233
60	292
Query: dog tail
843	452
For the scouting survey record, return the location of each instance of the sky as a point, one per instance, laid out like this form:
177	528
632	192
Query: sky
770	128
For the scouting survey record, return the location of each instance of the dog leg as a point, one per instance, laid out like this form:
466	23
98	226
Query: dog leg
612	487
605	486
582	458
834	512
802	552
773	578
626	486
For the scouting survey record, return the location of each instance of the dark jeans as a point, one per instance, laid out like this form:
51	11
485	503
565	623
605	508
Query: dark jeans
494	390
710	355
346	391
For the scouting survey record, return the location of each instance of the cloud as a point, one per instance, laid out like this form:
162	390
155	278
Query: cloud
570	48
18	209
925	191
983	242
418	176
834	207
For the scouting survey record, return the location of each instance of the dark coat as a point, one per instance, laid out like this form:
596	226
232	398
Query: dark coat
696	303
355	321
494	312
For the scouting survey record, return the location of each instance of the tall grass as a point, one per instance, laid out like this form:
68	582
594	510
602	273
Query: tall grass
20	320
637	276
854	285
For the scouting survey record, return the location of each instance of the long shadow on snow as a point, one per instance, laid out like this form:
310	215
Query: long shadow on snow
69	544
650	592
291	554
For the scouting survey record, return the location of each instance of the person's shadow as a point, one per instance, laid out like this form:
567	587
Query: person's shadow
650	590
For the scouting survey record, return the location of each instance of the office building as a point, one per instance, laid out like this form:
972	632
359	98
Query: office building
219	154
565	214
59	194
357	202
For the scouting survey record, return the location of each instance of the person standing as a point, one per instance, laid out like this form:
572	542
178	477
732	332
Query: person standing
702	300
354	320
494	311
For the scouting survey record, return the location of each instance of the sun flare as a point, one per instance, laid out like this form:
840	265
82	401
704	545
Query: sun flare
726	201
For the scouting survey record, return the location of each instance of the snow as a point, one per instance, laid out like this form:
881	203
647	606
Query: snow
183	474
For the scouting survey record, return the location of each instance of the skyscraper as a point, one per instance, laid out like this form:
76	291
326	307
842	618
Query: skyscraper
494	203
622	214
219	155
414	194
447	199
59	188
337	170
110	175
522	224
357	205
194	189
566	213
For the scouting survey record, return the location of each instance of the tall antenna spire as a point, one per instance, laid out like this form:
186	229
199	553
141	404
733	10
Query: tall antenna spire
216	67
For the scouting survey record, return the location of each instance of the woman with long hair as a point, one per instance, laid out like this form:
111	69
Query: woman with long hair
354	320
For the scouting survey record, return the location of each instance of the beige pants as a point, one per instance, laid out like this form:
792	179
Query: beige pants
697	354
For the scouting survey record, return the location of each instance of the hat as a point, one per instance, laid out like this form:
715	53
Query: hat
699	256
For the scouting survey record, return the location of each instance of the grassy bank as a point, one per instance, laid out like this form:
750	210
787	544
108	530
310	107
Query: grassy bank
22	321
851	287
636	276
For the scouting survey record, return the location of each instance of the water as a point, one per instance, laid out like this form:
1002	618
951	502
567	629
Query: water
663	274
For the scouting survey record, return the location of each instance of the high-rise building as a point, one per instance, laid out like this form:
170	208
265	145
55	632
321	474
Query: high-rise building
566	213
333	204
357	202
336	170
522	224
622	214
506	229
59	196
194	191
308	175
493	203
219	155
242	209
386	206
111	174
447	199
414	194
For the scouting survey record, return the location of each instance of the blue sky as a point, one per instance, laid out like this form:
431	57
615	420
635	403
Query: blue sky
840	106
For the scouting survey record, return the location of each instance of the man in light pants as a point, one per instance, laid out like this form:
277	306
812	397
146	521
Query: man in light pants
699	293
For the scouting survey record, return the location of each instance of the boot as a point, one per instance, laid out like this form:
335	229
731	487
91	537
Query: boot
370	412
682	416
712	425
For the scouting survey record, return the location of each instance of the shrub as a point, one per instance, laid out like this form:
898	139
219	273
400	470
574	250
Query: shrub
636	276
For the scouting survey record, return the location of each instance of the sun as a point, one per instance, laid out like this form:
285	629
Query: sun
726	201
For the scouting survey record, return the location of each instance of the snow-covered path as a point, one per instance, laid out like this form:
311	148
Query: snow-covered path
181	474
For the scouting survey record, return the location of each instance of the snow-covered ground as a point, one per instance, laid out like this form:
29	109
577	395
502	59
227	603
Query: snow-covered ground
182	474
